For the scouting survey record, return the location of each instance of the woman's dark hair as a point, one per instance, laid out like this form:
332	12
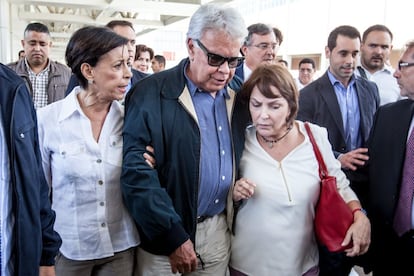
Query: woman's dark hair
268	75
140	48
88	45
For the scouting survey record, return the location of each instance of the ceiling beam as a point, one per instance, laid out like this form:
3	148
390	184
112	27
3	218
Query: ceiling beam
137	6
83	19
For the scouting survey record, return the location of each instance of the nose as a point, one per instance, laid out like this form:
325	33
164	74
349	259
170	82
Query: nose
264	114
397	73
271	50
127	72
224	68
349	59
36	47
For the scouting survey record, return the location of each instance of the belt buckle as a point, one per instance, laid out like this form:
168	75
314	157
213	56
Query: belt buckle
200	219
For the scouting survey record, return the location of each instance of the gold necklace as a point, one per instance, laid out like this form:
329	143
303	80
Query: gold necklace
271	142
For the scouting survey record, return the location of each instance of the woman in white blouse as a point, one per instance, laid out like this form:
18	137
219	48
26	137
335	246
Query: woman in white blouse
81	146
279	188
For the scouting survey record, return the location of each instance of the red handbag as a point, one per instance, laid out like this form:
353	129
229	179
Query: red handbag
333	217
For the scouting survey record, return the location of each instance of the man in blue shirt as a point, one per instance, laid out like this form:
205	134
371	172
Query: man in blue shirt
345	105
195	123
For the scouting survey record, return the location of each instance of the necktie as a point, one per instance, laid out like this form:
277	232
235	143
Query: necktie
402	217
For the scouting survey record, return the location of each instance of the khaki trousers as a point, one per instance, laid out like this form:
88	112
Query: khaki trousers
121	264
212	244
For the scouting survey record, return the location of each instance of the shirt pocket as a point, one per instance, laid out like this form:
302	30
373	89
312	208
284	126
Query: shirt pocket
75	148
73	157
115	150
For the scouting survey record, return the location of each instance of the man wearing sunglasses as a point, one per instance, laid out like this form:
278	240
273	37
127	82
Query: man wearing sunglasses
195	123
260	46
391	149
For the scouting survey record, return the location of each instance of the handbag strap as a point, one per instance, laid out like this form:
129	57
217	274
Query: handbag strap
323	172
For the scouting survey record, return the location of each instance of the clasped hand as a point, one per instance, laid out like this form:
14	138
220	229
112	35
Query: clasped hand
243	189
360	234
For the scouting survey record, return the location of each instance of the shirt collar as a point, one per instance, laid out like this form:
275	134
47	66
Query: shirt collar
335	81
47	68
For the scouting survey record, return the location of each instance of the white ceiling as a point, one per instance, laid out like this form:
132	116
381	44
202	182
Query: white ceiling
63	17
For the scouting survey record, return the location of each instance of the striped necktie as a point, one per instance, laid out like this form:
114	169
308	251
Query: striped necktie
402	217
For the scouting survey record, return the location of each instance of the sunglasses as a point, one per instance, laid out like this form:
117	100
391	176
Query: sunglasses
403	64
217	60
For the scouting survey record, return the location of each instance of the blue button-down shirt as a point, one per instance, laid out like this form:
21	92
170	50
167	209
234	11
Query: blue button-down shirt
348	103
216	150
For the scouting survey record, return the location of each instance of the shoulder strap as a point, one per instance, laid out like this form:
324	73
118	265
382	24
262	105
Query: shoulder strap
323	172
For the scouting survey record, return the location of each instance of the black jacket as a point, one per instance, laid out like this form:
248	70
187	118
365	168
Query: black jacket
164	201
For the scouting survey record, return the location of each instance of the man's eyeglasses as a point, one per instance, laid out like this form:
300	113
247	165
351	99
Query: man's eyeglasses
402	64
217	60
265	46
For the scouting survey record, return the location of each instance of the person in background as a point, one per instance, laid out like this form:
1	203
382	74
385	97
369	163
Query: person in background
376	48
307	69
126	29
284	63
391	149
278	35
80	138
28	243
22	55
158	63
280	185
191	116
260	46
46	80
143	58
345	105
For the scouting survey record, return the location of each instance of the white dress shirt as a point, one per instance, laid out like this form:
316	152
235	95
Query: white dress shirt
388	88
246	71
85	176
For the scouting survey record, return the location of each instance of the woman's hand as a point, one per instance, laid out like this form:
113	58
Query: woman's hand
360	235
149	158
243	189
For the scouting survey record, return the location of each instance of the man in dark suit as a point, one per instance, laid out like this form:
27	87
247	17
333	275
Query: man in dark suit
126	29
260	46
392	249
345	105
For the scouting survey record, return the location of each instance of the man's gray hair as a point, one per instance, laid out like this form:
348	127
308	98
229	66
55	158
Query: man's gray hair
217	17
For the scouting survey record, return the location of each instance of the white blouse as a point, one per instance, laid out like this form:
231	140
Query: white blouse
274	232
85	176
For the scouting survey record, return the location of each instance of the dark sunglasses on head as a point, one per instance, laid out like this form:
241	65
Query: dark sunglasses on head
217	60
403	64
